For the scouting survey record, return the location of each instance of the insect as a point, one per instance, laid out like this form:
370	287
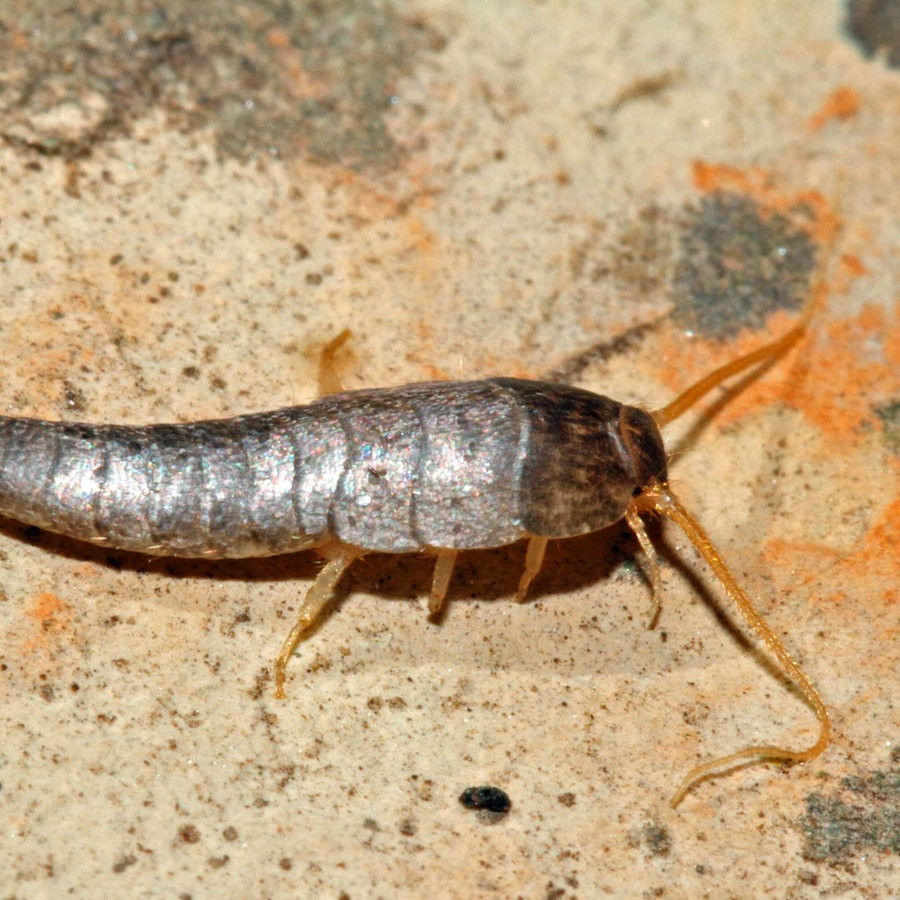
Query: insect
438	467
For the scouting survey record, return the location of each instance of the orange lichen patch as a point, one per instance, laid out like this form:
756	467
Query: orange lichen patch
818	219
50	618
854	265
717	177
876	558
860	376
880	552
842	103
678	361
891	342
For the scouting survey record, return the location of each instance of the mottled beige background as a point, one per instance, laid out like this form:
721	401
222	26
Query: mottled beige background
192	202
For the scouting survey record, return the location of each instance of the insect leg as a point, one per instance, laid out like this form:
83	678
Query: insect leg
320	593
443	569
534	557
636	524
329	379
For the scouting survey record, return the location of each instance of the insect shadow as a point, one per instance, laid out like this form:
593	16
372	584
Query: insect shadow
485	575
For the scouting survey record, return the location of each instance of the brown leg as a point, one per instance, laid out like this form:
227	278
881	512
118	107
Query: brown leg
636	524
329	379
443	569
534	558
320	593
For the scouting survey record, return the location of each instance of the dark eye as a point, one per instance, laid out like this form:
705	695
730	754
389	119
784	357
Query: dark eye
637	491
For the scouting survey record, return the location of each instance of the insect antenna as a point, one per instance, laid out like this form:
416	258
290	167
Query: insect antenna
658	498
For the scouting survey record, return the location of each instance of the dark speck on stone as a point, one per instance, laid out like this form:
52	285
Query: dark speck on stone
488	799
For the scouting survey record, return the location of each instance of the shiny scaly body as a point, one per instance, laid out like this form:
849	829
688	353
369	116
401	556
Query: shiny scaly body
435	465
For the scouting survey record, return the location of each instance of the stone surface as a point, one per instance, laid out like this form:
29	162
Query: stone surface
193	204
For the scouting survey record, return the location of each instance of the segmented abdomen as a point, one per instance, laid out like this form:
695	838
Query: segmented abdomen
386	470
449	465
219	488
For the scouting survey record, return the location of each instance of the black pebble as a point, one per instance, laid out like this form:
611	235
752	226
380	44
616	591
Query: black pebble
491	799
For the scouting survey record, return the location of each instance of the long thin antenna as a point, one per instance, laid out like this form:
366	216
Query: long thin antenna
658	498
689	397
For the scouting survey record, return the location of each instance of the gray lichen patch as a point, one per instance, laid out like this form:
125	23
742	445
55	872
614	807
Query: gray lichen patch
738	264
267	79
890	418
653	836
863	816
875	24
